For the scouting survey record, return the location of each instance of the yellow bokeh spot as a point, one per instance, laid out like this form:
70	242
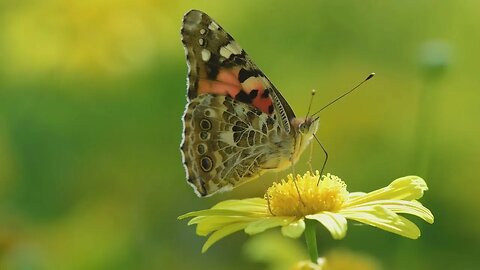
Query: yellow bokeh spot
96	37
328	194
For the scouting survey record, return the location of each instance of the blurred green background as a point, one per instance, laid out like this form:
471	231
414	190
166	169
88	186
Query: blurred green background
92	93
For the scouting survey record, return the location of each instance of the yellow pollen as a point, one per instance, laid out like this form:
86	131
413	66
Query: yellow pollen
329	195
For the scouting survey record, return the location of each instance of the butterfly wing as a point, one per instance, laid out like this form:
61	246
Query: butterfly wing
236	123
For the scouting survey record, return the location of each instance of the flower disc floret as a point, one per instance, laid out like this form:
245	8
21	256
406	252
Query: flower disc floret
312	196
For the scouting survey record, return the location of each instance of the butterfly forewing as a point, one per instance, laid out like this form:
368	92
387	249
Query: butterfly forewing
218	65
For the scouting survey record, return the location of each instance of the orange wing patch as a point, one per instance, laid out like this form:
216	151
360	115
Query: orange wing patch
251	90
260	94
226	83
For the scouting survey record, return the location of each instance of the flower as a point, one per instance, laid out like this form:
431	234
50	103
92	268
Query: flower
287	204
308	265
339	260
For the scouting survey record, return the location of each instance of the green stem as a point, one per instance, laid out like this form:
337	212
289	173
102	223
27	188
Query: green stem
311	239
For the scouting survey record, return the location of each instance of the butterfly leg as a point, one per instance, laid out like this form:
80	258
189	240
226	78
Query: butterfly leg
296	185
325	161
309	162
268	197
268	204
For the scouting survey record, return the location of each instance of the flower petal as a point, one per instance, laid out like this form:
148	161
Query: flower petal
208	224
335	223
404	188
353	195
221	233
263	224
294	229
258	205
215	212
385	219
399	206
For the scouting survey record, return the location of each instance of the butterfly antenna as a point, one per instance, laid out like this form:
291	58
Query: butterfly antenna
310	104
348	92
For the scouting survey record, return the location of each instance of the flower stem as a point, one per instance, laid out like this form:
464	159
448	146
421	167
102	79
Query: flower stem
311	239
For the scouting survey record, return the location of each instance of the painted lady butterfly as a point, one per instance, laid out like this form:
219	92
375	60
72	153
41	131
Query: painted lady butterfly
236	124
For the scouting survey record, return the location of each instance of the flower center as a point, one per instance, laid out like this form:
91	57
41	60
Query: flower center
328	195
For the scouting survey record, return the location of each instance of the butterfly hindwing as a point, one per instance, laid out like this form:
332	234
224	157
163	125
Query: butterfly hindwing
226	143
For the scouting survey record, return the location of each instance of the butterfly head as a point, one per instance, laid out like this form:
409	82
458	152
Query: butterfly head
305	129
306	126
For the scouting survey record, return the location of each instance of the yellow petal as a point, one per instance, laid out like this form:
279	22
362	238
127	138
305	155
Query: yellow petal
294	229
413	188
399	206
209	224
335	223
404	188
221	233
215	212
385	219
353	195
263	224
252	205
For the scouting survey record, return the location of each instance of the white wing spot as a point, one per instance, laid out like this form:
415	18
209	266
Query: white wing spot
213	26
203	31
234	47
227	137
230	48
201	42
206	55
225	53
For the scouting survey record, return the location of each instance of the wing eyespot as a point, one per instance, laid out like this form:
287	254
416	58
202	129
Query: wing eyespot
206	163
205	124
207	112
202	148
204	136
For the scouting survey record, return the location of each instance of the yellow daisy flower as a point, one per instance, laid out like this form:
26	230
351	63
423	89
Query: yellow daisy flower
324	200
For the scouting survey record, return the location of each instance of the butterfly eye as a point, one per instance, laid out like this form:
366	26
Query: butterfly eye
302	127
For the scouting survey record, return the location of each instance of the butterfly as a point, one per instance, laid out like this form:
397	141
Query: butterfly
236	124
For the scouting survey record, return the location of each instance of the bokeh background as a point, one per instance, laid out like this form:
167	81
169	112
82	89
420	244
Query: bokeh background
92	93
